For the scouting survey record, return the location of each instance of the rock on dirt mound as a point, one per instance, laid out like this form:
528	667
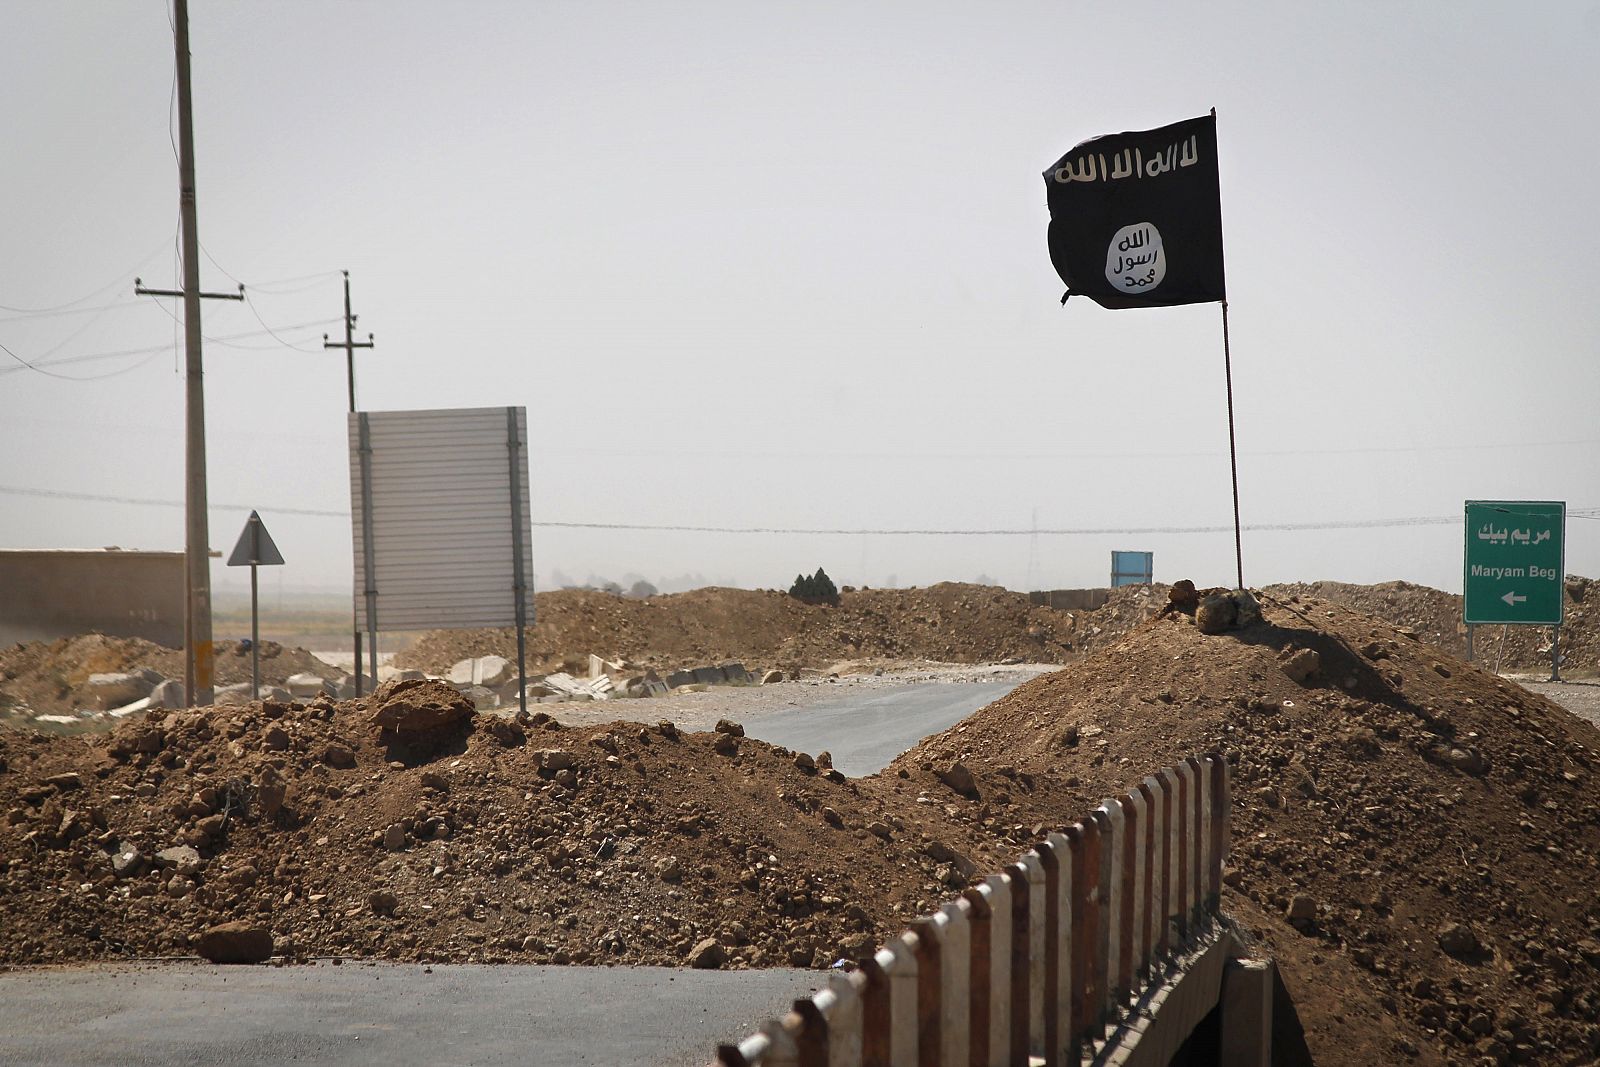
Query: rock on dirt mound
1416	840
501	841
418	705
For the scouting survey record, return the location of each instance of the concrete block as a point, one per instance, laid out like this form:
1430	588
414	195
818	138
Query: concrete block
565	683
955	986
305	685
709	675
899	962
482	697
996	891
142	704
168	695
1246	1038
344	688
677	678
598	665
840	1006
735	673
487	671
104	691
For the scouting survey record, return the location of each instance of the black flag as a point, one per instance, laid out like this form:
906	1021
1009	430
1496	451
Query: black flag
1136	218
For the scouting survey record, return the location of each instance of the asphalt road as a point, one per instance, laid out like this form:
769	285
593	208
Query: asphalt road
865	731
393	1014
384	1015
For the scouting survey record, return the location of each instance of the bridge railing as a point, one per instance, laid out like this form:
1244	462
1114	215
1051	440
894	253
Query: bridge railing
1036	960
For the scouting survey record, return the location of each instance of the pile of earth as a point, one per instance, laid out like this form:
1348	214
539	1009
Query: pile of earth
1417	841
47	676
1436	617
460	838
950	622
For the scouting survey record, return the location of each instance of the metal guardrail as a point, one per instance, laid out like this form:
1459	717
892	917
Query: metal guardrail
1033	962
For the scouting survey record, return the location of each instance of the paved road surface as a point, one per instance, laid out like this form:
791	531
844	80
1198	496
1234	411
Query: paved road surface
865	731
386	1015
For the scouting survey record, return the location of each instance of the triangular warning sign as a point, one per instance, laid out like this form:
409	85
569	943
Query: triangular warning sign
255	546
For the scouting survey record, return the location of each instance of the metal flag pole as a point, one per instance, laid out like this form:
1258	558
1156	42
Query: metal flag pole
1233	452
1233	455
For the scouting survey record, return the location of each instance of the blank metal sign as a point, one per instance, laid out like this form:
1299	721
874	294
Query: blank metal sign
440	517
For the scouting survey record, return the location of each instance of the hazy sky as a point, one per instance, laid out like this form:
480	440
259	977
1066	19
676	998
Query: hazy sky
784	266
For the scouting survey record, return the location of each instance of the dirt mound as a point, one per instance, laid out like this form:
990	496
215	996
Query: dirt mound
47	675
498	841
1436	617
949	622
1432	829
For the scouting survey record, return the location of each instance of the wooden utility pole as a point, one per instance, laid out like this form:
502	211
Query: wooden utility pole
350	344
199	658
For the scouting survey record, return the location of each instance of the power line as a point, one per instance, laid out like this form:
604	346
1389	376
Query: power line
274	288
1348	524
224	340
252	306
87	296
75	377
56	313
996	457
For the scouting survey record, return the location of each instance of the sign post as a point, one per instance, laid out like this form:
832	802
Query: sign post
255	549
1513	566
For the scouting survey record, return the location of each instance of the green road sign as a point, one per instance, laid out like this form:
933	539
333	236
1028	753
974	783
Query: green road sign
1514	561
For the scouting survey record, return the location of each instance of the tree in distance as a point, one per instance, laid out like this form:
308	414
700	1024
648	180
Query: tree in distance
817	589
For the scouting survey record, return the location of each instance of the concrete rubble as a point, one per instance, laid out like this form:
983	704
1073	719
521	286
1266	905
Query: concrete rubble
487	682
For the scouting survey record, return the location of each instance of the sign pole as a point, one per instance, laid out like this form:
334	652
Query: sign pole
255	548
1555	654
1233	455
255	638
519	586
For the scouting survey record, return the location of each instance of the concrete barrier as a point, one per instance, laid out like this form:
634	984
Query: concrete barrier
1062	953
61	593
1070	599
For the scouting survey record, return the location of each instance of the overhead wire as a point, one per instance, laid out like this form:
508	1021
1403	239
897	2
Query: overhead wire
23	312
1585	512
34	316
286	344
274	288
225	341
76	377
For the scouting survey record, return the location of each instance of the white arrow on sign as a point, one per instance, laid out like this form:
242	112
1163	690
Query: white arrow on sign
1513	599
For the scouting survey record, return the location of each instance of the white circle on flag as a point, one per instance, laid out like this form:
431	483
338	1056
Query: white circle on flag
1135	260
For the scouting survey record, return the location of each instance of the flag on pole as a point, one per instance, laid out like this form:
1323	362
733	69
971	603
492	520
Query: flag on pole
1136	218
